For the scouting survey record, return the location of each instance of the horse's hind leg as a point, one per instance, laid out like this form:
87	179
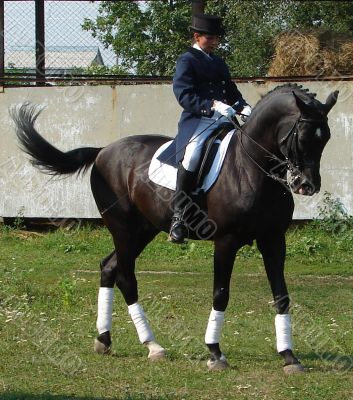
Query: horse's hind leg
129	247
131	233
273	250
119	269
102	344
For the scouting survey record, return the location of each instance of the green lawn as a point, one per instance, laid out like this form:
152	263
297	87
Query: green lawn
48	292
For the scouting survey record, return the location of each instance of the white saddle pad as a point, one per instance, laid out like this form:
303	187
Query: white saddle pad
165	175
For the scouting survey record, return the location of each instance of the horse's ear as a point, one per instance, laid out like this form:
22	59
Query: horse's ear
331	101
302	105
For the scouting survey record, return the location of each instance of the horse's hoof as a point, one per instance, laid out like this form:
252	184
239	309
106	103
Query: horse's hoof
156	352
293	369
101	348
219	364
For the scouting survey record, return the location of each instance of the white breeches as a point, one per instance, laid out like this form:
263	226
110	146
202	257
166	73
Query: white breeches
194	147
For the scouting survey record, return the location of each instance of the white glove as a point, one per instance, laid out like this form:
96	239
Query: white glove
245	113
224	109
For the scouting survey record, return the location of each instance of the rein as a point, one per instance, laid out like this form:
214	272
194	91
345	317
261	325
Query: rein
273	156
292	147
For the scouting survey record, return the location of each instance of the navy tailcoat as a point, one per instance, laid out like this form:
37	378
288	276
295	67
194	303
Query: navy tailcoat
197	82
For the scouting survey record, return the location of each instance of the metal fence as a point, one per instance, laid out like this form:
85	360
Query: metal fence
68	47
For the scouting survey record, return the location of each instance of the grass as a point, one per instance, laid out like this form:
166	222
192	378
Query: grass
48	292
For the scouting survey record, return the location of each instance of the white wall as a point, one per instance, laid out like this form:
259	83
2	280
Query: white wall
77	116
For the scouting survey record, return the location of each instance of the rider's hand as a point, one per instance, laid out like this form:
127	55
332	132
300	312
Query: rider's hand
224	109
245	113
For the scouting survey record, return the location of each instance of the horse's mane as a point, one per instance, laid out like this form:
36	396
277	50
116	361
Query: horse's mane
289	88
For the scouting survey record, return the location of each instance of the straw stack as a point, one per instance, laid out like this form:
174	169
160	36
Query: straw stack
319	54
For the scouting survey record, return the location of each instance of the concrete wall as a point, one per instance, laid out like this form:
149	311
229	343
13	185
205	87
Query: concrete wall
77	116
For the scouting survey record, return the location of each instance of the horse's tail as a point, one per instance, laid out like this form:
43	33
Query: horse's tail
45	156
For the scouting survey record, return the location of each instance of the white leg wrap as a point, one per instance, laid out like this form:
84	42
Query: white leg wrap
141	324
214	327
105	308
283	332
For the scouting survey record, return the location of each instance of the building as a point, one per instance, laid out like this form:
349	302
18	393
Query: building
58	60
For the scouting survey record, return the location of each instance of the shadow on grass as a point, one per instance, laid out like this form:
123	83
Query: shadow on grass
335	362
28	396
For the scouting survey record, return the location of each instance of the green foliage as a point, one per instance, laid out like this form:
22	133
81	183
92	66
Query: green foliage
101	70
48	305
19	222
20	73
148	38
328	15
333	216
250	29
67	288
306	245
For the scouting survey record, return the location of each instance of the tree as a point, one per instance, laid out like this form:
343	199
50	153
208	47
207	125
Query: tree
148	36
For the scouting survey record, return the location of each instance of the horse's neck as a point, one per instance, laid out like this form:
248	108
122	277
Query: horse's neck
257	148
266	123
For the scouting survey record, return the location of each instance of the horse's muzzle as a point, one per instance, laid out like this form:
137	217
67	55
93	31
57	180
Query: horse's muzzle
305	188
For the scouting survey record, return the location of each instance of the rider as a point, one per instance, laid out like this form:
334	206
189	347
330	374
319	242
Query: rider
203	87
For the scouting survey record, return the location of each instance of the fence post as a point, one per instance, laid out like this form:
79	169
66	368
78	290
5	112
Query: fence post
2	41
198	6
40	42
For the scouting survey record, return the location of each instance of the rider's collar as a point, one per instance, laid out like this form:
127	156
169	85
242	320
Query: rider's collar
197	47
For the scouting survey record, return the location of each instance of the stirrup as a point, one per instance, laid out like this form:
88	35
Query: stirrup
178	230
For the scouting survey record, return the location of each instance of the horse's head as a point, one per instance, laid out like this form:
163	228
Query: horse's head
303	144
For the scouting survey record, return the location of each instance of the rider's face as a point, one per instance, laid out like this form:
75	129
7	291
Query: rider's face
208	43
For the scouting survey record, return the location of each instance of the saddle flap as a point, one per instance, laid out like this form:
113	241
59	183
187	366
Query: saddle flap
209	153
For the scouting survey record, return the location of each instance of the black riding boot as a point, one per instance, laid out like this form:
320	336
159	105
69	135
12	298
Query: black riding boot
185	180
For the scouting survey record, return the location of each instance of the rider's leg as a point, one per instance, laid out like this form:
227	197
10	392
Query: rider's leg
186	175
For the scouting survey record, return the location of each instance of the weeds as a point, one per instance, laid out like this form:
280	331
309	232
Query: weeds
68	289
333	216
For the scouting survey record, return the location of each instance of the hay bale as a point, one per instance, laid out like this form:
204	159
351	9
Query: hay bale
329	62
294	54
345	58
313	53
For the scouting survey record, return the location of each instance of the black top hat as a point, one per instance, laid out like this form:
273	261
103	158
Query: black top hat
204	23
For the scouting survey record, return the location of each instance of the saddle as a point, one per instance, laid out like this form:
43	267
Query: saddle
210	164
209	152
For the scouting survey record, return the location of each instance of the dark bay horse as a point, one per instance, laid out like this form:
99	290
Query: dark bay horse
285	136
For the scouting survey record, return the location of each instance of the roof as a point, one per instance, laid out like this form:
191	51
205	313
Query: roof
55	57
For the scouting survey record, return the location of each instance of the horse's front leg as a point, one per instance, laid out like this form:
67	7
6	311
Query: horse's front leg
273	250
224	255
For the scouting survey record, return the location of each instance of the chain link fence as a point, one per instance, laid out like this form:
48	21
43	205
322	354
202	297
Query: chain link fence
68	48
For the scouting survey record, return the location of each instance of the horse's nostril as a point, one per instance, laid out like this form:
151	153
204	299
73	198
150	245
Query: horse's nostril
308	188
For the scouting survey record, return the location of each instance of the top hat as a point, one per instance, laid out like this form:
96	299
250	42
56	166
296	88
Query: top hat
204	23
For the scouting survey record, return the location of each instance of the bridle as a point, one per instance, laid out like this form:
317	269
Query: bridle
292	143
291	161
